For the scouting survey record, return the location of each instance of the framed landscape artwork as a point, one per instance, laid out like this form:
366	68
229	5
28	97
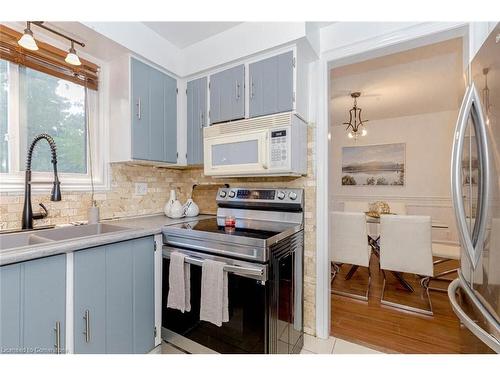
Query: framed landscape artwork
377	165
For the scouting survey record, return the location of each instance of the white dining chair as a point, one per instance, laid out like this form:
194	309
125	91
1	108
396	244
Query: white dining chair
349	245
398	208
445	252
406	246
354	206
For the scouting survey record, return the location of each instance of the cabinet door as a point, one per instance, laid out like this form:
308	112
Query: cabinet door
10	308
196	115
285	82
44	304
140	110
119	299
157	106
90	300
238	87
143	292
271	85
227	95
170	119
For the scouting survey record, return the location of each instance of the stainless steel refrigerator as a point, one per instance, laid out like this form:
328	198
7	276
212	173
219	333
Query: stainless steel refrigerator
475	176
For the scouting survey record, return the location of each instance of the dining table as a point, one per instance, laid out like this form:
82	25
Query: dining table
374	243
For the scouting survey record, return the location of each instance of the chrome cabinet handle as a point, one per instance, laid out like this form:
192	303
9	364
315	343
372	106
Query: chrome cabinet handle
201	120
237	90
484	336
251	88
57	330
86	317
139	108
471	104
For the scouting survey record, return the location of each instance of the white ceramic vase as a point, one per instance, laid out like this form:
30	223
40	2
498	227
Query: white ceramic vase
191	209
168	206
176	211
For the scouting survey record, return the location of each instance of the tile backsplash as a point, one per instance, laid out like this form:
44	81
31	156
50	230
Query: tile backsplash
121	201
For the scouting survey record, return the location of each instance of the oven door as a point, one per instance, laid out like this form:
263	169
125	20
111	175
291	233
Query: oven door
246	330
236	154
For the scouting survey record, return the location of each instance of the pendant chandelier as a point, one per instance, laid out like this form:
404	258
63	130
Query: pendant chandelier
355	126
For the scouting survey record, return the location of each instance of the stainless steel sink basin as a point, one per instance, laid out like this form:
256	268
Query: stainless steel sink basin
68	233
11	241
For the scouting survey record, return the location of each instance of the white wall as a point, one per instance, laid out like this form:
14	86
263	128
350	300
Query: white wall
141	40
428	138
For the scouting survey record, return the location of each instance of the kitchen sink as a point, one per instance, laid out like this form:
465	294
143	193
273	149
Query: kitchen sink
68	233
10	241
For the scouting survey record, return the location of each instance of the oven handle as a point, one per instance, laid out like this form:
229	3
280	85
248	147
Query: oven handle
250	271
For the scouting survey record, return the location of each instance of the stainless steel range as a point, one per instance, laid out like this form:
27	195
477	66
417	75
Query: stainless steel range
264	257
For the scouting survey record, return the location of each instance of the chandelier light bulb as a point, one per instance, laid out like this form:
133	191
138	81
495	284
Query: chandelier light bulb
27	41
72	57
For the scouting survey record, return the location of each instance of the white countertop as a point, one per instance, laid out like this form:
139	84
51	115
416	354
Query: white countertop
140	226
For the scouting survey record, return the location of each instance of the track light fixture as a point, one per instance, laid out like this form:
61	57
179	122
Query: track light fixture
27	41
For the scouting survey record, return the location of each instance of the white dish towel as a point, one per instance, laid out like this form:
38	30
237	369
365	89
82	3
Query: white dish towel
214	301
179	293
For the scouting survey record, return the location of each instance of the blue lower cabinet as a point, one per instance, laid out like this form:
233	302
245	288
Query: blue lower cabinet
33	306
119	298
10	308
114	298
143	281
44	299
90	300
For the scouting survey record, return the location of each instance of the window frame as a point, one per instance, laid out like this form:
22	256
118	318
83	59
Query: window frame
13	181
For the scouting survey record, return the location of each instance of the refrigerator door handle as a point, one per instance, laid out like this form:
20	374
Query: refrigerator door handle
472	242
484	336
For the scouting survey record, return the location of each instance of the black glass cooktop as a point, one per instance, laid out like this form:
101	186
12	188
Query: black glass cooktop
211	226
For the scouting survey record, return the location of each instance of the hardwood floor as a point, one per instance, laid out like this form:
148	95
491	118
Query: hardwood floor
392	330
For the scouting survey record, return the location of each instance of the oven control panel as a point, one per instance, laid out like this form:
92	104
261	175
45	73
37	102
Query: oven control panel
279	148
271	196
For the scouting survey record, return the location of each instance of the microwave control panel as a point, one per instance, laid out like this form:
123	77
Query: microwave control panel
279	148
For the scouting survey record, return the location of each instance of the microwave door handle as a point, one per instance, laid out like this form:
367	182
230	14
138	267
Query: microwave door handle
265	152
484	336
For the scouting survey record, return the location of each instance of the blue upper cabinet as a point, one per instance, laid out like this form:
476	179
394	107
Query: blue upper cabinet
33	306
271	85
140	110
196	119
170	118
227	95
154	114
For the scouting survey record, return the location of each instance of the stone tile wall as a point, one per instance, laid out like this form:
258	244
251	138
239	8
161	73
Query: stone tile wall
121	201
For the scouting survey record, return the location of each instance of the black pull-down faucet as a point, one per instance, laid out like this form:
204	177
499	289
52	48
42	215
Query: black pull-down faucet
55	195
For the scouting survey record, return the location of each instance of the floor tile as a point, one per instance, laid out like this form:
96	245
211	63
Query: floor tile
346	347
166	348
304	351
317	345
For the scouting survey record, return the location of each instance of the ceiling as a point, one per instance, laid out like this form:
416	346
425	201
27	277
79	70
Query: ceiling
422	80
184	34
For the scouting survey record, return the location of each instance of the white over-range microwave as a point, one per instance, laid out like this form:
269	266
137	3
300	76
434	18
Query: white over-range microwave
274	145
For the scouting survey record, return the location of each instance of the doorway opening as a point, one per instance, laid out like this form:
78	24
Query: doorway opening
391	122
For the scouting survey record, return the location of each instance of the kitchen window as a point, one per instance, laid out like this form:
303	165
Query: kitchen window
34	102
